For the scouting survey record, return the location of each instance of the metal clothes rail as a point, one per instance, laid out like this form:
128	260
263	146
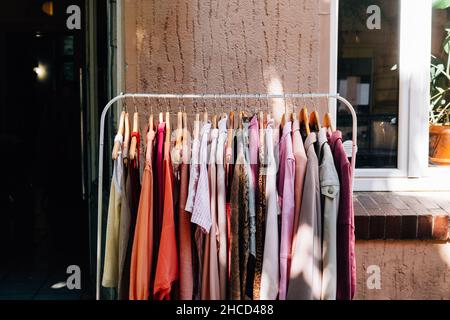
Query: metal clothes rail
204	97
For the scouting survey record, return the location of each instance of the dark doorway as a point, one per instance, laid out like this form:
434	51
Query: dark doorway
44	222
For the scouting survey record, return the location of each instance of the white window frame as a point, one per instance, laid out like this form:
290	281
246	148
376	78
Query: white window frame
413	172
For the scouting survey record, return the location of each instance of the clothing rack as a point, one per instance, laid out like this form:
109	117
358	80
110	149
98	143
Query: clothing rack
208	96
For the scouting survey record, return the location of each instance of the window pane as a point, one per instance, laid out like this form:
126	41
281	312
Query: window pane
439	148
368	77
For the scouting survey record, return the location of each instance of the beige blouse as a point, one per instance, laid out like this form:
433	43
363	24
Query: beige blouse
111	266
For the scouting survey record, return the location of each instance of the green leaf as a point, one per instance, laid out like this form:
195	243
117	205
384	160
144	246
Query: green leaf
441	4
446	45
439	69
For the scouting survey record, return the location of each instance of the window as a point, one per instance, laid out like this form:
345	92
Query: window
439	148
383	68
368	77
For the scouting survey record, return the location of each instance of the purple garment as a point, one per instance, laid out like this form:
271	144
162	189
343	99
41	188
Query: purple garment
286	178
346	262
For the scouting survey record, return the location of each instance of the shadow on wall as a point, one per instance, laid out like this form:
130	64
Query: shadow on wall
408	270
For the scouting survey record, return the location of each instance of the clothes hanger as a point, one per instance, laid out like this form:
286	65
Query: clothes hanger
269	111
196	129
205	112
120	130
185	135
240	118
185	154
126	137
185	125
285	114
135	130
126	140
224	115
261	123
214	118
148	154
304	119
214	122
293	114
230	126
150	119
179	132
168	133
260	116
161	115
314	121
327	122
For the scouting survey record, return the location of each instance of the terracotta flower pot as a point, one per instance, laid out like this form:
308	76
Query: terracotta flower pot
439	148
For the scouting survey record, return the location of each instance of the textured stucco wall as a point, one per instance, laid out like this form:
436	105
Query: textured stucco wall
409	269
225	46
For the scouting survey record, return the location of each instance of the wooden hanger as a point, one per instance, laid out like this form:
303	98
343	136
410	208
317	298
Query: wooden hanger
185	154
205	116
314	120
240	121
214	122
126	140
179	132
168	127
116	148
148	155
304	118
161	120
293	116
283	120
327	122
261	127
134	139
261	120
230	129
197	126
150	122
185	128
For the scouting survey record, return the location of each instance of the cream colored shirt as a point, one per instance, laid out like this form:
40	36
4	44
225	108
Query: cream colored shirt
111	265
270	276
221	207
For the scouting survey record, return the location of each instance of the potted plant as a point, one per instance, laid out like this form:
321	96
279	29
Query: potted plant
439	147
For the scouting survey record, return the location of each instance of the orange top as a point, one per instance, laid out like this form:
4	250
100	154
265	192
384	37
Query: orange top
167	272
142	253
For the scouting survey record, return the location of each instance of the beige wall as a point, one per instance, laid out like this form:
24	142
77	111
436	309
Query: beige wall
409	269
227	46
